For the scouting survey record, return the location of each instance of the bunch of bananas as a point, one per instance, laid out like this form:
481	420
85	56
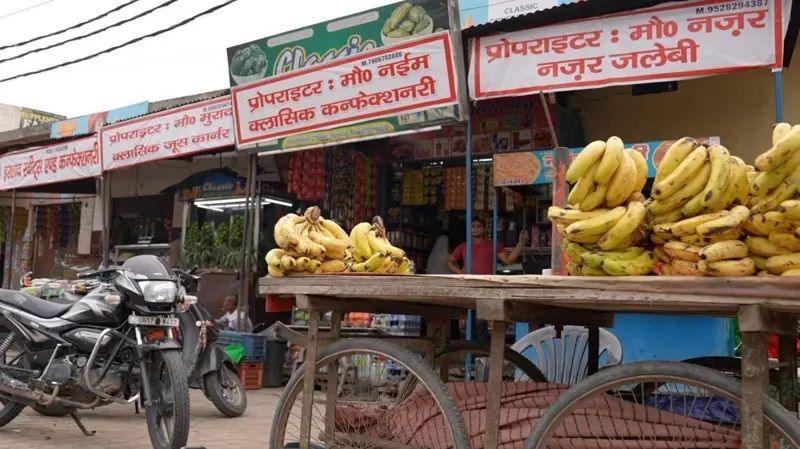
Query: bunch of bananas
373	253
704	245
605	174
308	244
693	179
774	227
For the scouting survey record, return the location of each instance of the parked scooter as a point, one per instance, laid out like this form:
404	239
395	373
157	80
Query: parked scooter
113	345
209	367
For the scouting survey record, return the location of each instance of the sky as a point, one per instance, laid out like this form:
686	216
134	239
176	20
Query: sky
185	61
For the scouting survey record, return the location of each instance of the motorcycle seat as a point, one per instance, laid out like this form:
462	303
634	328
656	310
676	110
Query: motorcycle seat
41	308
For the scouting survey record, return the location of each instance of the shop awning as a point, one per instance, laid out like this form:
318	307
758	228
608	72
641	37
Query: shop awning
595	8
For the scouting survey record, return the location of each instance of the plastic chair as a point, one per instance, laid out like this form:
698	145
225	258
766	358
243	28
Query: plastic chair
564	358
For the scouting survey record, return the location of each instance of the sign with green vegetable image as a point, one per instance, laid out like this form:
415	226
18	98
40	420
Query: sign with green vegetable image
339	38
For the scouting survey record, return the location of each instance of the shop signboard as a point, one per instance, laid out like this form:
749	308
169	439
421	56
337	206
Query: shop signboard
173	133
536	167
405	78
67	161
344	37
677	41
478	12
32	117
215	183
89	124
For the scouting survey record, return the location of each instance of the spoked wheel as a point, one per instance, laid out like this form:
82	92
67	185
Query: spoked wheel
372	408
451	363
656	405
168	415
16	356
226	391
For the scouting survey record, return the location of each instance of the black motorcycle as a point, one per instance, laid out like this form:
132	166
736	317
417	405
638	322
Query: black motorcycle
114	345
209	367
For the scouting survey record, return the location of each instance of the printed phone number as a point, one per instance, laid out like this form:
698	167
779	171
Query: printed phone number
734	6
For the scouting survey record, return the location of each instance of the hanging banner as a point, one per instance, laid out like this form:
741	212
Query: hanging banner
478	12
68	161
672	42
536	167
168	134
90	124
412	76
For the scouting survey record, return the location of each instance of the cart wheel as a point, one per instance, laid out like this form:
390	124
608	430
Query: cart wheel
516	367
372	408
656	404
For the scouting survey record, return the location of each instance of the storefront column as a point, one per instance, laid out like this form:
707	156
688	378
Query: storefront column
187	207
778	81
10	241
245	276
106	213
494	227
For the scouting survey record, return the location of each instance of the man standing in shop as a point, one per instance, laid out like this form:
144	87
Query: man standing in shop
482	258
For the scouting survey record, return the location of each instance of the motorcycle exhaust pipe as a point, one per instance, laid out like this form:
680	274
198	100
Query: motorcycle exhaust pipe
20	390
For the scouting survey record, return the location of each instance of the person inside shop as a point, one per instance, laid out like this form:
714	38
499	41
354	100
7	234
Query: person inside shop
482	258
229	320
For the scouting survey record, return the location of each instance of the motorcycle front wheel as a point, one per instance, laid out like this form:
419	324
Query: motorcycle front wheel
226	392
168	414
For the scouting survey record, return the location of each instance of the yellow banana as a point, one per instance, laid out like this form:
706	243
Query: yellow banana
582	187
285	234
660	254
386	265
287	263
275	272
664	230
617	236
705	240
738	267
358	235
726	250
595	198
763	247
584	160
334	248
756	225
612	158
778	222
313	266
738	189
720	175
689	225
405	267
637	197
642	170
374	261
622	182
690	166
595	258
780	152
574	251
764	182
333	266
658	239
574	269
791	209
794	272
682	251
595	226
570	216
640	266
334	229
785	240
675	154
734	219
586	270
683	195
273	257
785	190
764	273
782	263
759	261
301	263
378	243
684	268
779	131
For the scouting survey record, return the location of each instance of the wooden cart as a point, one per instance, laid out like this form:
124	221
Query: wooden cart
763	305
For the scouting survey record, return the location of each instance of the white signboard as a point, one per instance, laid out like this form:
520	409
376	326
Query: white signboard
172	133
68	161
411	76
669	42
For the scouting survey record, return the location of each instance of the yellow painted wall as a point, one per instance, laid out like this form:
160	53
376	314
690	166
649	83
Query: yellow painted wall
739	108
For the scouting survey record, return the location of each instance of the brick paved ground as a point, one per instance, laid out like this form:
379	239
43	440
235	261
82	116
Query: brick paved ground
119	428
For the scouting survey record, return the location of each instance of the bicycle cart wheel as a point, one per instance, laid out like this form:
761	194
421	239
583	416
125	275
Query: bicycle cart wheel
372	407
516	367
656	405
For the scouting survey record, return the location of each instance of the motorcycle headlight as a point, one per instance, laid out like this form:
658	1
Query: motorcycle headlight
159	291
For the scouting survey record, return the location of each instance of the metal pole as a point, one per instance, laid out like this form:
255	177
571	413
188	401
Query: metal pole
10	240
468	201
187	207
494	227
106	209
778	81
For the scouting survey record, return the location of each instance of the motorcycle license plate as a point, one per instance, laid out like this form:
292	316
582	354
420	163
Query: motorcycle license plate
154	321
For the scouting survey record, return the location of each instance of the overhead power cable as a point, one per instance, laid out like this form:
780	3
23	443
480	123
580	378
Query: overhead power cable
91	33
125	44
64	30
14	13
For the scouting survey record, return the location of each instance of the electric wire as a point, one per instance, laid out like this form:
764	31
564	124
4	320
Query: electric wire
73	27
91	33
125	44
28	8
